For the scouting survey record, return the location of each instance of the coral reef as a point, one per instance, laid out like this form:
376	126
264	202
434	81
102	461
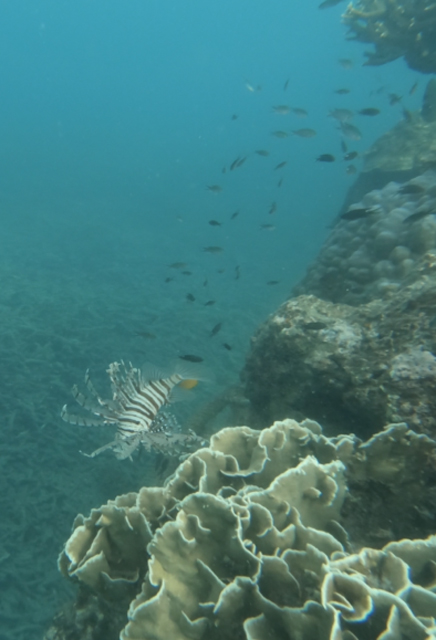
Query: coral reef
247	539
352	368
396	29
391	245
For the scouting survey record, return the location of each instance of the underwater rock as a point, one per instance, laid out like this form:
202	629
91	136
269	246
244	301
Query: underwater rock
352	368
248	541
428	111
409	146
378	254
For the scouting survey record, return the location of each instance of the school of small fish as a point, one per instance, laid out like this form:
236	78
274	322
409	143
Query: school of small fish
278	158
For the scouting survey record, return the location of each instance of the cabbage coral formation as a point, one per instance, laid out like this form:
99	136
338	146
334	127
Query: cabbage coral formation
396	28
243	541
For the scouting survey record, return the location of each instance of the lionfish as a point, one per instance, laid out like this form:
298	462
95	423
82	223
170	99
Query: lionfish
135	409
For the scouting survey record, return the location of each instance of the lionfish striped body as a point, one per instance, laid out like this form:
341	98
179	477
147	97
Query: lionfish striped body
137	399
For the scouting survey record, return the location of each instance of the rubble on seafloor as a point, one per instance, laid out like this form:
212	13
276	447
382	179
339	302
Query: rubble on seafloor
275	534
396	28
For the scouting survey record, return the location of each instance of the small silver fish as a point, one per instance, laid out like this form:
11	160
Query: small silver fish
341	114
350	131
304	133
282	109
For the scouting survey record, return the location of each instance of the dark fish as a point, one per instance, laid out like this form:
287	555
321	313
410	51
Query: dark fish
411	188
280	165
187	273
146	335
394	98
346	63
273	282
215	330
304	133
215	188
205	282
342	92
351	169
350	156
419	215
227	346
262	152
237	272
209	303
350	131
267	227
241	161
280	182
314	326
328	3
413	88
190	297
273	208
234	163
233	216
369	111
178	265
191	358
235	116
285	86
356	213
213	249
325	157
214	223
168	280
223	170
280	134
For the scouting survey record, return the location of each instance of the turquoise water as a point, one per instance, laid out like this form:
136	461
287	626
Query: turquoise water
114	119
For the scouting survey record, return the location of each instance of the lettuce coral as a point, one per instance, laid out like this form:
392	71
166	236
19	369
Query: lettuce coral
245	540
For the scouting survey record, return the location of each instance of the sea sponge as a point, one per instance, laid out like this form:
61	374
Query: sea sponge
244	541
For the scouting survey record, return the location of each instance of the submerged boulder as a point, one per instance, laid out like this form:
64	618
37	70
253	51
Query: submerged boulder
352	368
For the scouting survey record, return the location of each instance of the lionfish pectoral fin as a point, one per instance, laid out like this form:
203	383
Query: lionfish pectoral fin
150	371
81	421
89	385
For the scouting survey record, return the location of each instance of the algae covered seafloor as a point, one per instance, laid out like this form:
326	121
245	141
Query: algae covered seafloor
57	320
